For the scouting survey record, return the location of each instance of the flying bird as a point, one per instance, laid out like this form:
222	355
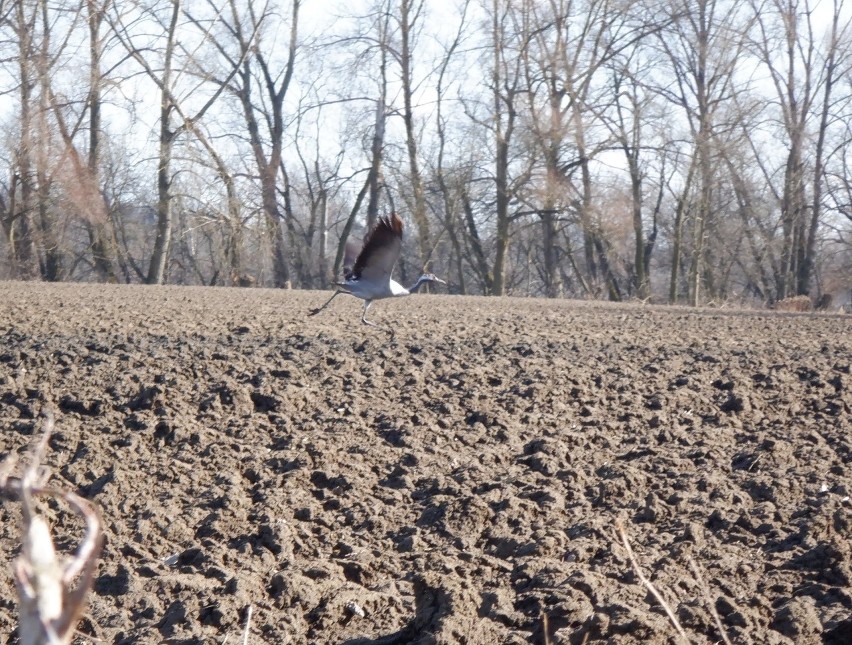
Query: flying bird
370	277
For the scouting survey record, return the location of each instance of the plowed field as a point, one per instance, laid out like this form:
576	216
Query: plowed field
460	482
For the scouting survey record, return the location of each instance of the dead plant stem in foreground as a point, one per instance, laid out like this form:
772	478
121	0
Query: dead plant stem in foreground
248	625
49	605
648	584
709	600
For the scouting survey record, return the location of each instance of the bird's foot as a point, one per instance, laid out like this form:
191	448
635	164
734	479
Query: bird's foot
378	326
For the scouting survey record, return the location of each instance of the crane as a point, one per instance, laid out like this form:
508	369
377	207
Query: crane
370	277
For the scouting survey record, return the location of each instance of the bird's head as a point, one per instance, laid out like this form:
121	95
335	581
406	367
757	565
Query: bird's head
431	277
423	279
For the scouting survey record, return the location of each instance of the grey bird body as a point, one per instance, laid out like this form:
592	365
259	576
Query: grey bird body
370	277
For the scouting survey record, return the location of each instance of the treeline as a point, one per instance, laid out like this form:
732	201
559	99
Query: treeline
674	150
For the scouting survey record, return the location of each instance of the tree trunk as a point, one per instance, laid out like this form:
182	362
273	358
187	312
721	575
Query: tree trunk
100	234
322	252
52	255
806	269
552	276
504	120
480	261
23	236
163	242
699	240
703	139
502	237
374	181
677	235
640	261
421	219
275	232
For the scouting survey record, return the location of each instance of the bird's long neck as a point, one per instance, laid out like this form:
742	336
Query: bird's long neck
420	282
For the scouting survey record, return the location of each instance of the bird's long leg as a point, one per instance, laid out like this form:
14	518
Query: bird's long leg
364	320
314	312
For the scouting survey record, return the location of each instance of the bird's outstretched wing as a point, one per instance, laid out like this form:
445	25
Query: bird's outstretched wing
349	257
381	251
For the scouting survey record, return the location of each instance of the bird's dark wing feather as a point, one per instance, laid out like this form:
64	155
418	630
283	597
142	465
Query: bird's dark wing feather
381	251
349	257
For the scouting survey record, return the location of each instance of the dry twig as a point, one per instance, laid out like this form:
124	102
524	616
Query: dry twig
49	605
248	625
709	600
648	584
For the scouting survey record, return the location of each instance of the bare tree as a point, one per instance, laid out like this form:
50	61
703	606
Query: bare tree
449	189
703	47
377	142
804	78
628	126
316	192
173	121
162	244
20	224
572	48
263	111
99	228
410	13
507	39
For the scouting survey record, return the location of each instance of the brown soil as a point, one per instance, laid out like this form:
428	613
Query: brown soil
460	483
